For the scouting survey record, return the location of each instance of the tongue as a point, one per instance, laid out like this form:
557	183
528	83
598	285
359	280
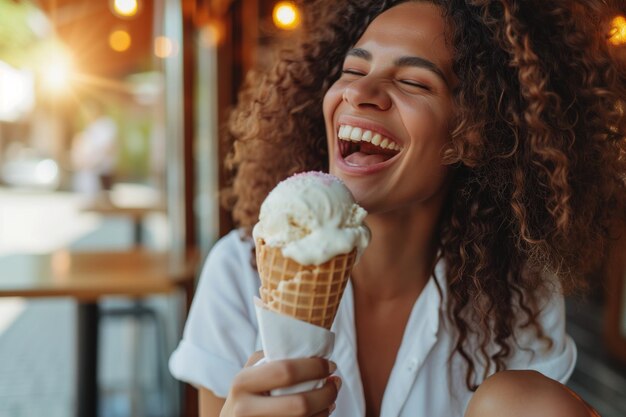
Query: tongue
364	159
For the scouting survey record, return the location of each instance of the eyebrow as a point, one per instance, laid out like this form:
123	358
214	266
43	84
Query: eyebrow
405	61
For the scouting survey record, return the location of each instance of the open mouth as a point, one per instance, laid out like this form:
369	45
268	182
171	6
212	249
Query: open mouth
362	147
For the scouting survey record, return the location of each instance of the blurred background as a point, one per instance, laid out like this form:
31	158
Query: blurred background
110	165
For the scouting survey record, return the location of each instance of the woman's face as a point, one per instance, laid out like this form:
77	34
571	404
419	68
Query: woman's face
388	116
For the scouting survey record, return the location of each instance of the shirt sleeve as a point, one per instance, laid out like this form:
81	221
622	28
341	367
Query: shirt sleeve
555	360
221	330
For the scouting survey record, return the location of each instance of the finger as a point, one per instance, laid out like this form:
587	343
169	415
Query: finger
280	374
324	413
317	402
254	358
321	400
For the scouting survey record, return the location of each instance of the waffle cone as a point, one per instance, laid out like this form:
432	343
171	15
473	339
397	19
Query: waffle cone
306	292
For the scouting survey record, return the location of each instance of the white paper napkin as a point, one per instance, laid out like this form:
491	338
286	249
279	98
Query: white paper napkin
284	337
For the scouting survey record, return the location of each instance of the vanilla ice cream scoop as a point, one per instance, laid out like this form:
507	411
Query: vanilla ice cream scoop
313	217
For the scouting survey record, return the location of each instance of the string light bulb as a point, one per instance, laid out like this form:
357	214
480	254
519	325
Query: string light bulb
120	40
617	34
125	8
286	15
212	34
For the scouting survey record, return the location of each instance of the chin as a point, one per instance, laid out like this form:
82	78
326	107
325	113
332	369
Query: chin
371	199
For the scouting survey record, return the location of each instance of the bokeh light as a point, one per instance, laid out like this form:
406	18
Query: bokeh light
212	33
125	8
17	92
164	47
56	75
120	40
617	34
46	171
286	15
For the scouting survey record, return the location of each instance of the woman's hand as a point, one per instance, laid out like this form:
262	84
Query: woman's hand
249	394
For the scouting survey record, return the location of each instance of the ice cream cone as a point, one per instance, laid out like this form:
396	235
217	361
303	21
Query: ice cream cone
306	292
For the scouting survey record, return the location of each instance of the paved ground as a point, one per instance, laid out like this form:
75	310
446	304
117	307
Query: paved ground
36	362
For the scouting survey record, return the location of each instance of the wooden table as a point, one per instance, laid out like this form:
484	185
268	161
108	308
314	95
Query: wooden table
88	276
105	206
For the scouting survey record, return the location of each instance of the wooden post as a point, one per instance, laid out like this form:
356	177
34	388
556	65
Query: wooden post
615	275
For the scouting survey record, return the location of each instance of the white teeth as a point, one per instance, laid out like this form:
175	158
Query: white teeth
357	134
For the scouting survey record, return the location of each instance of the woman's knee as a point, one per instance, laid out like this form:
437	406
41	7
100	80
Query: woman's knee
525	394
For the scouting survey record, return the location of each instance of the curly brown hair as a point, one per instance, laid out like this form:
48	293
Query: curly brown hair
538	147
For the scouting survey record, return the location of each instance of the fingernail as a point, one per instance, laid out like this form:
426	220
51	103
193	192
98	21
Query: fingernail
337	382
332	408
332	367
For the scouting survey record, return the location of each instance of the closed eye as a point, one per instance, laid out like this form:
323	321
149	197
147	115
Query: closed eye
352	72
415	84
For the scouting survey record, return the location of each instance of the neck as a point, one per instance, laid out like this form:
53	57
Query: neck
401	255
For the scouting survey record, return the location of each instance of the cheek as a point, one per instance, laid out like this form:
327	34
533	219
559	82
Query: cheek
332	99
429	124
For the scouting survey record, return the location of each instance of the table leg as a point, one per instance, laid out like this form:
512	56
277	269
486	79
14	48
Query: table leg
87	355
138	231
190	393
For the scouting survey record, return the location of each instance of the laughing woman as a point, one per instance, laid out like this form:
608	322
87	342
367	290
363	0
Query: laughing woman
486	139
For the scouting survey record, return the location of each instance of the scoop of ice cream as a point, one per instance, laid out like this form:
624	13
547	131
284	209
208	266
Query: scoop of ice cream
313	217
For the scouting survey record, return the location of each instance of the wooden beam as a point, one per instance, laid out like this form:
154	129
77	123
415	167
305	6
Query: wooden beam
237	54
189	80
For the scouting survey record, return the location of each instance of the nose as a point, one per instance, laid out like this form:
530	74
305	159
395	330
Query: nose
367	92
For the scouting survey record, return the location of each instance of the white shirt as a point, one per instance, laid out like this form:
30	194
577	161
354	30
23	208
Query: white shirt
222	332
